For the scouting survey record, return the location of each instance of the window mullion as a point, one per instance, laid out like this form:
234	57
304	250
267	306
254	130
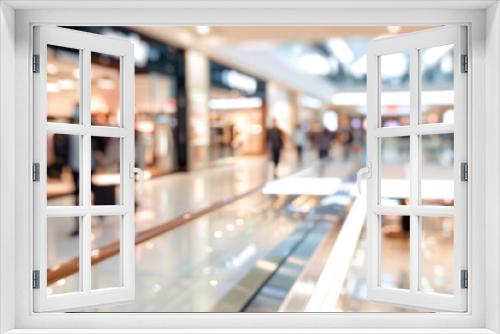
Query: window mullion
414	171
86	166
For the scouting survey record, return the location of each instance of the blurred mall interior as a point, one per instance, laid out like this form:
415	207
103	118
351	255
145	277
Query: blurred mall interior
218	228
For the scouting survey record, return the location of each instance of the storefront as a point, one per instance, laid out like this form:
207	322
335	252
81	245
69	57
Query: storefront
237	108
160	117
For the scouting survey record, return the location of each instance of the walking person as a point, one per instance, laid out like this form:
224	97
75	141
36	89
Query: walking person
275	142
73	161
300	141
324	142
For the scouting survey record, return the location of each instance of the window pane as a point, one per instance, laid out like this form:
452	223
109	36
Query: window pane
106	170
63	169
437	255
63	245
106	100
63	84
437	170
394	89
395	252
395	171
106	232
437	95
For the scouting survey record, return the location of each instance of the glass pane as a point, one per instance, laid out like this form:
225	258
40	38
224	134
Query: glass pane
437	255
63	85
437	170
63	248
395	252
395	171
105	100
106	232
63	169
395	89
106	170
437	96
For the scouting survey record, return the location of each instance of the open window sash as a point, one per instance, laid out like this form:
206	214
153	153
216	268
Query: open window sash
412	208
83	46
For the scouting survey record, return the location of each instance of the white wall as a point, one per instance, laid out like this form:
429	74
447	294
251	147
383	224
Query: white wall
492	213
7	175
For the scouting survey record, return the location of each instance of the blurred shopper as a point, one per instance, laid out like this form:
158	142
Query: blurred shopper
74	164
345	139
140	150
106	153
275	142
140	155
300	141
73	154
324	142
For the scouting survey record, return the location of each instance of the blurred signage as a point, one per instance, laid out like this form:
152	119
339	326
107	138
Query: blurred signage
240	81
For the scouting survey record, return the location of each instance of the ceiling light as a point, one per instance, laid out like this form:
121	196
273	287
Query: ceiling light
217	234
341	50
310	102
203	30
237	80
394	29
213	282
314	63
393	65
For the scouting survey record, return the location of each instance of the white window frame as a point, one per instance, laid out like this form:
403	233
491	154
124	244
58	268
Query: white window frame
413	43
85	43
16	21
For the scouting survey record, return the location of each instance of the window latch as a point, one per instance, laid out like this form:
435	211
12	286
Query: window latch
464	172
36	279
362	174
465	64
464	279
133	171
36	172
36	63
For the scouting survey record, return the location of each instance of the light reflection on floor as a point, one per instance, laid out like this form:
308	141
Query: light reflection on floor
192	267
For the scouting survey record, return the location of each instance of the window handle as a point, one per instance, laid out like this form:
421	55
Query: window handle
363	174
137	171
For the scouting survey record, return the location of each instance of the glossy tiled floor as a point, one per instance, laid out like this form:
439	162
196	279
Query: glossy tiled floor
193	267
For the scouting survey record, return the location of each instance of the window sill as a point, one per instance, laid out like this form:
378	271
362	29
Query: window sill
255	331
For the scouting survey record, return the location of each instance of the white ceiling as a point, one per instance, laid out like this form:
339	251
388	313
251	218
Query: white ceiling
253	49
